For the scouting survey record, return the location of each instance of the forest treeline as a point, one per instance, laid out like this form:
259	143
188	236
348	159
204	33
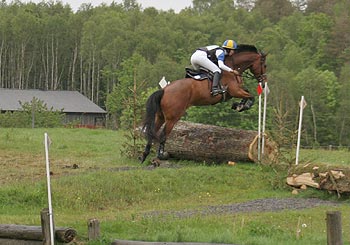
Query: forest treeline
116	54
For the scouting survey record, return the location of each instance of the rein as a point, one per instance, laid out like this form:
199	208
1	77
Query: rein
261	77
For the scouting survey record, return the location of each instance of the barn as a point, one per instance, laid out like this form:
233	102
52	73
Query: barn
76	107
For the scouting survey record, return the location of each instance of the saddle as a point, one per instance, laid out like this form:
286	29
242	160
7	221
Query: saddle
203	74
200	74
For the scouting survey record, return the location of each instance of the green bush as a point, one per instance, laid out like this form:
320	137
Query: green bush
33	114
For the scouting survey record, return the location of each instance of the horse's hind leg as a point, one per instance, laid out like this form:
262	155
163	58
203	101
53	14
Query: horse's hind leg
146	151
162	155
159	121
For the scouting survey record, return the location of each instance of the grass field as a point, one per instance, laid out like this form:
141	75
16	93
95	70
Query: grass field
91	179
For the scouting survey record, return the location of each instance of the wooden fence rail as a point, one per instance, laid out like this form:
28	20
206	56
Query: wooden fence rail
30	235
125	242
34	233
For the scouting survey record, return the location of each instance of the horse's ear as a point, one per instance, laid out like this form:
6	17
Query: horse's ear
262	53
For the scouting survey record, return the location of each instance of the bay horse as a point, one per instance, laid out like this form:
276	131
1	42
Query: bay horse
248	57
166	106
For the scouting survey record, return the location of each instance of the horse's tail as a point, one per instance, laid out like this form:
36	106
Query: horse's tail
152	107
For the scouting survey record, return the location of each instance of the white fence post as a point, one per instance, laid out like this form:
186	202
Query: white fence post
302	105
47	146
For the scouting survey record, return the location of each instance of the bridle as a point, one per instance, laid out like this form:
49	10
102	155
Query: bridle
260	78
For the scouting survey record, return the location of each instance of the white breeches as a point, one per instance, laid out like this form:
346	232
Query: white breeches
200	59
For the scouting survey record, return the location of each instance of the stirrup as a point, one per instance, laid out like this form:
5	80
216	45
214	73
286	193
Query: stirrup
216	91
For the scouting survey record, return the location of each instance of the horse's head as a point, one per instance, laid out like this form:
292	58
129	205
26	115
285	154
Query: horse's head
258	68
248	57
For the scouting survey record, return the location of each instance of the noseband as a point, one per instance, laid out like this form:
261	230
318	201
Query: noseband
262	77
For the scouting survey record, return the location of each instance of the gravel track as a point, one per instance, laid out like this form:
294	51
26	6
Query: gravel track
259	205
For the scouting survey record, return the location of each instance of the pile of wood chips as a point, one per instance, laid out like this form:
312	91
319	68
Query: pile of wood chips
320	177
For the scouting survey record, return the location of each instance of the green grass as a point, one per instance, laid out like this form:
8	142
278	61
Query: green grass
71	143
334	157
101	189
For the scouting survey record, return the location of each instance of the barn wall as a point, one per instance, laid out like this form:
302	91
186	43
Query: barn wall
86	119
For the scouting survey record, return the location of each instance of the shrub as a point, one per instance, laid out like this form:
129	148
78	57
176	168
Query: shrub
33	114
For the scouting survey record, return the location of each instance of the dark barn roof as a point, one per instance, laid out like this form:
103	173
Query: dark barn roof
69	101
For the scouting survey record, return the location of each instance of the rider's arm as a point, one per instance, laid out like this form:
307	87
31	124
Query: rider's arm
221	57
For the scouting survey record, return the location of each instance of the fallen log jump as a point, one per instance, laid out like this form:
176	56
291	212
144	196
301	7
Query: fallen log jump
209	143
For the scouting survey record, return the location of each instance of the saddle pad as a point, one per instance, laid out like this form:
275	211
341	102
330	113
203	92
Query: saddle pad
197	75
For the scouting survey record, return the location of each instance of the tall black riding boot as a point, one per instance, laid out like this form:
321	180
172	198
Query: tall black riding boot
215	90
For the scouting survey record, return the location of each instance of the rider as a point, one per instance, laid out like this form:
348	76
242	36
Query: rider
212	58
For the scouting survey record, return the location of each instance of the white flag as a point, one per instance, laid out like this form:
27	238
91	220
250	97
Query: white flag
302	103
267	90
48	141
163	83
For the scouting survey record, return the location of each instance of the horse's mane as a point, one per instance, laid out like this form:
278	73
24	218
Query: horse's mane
246	48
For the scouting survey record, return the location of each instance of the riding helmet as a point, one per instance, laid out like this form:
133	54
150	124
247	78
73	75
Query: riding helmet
229	44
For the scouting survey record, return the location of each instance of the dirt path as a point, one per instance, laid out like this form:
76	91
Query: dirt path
259	205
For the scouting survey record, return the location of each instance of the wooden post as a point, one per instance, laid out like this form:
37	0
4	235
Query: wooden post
334	228
45	226
93	229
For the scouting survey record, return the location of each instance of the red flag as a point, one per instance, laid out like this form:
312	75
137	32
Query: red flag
259	89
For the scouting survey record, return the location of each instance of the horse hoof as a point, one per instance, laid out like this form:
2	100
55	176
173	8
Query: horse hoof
164	156
156	162
141	159
238	107
234	106
242	108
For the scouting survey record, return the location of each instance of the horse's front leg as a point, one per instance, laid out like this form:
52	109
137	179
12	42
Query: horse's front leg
243	105
246	103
